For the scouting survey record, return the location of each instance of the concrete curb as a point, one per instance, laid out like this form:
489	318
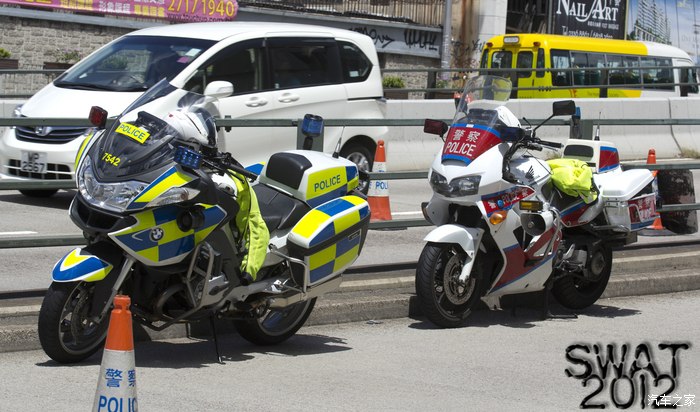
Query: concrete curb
388	296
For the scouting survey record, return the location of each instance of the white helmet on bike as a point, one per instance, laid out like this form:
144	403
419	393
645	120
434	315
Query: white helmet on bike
507	117
195	127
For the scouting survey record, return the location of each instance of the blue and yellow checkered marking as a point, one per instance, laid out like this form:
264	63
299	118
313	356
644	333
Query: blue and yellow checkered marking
174	243
335	257
173	177
80	265
329	219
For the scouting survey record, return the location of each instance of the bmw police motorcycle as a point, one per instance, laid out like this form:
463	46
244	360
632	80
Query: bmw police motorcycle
510	222
190	235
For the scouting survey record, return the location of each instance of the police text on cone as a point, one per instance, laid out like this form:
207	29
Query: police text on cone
116	386
378	194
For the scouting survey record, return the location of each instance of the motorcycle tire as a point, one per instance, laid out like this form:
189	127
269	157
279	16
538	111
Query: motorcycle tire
276	325
576	293
444	302
66	333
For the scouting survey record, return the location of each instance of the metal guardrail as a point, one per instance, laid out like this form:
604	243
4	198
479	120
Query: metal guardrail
78	240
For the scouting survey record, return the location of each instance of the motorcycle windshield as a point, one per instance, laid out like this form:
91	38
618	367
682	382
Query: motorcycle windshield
475	127
140	140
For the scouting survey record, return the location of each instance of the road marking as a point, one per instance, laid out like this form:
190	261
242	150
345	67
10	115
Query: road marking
21	232
406	213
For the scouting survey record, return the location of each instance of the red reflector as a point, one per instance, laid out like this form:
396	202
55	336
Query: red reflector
98	116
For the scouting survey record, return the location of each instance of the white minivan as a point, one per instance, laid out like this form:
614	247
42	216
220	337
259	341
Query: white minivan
278	70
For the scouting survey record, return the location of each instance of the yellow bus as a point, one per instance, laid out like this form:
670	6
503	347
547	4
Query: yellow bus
625	68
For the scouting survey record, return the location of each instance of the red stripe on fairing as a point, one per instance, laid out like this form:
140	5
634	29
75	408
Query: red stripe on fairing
609	158
516	258
570	217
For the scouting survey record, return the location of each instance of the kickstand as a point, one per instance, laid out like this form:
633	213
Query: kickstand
216	339
546	313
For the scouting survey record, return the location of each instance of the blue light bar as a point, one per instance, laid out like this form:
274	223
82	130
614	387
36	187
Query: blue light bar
187	157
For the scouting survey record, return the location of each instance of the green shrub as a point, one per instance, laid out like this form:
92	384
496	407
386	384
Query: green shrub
393	82
4	54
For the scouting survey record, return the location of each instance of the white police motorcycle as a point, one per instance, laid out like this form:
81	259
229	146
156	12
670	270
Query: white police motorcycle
509	222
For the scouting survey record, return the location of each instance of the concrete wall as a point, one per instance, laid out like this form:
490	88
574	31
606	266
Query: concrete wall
408	148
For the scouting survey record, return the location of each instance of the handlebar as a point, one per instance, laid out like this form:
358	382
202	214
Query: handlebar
551	144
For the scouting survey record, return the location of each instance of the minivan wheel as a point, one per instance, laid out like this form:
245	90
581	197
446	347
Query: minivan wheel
38	192
362	157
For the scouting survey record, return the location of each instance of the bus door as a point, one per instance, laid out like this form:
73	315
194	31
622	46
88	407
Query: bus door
524	79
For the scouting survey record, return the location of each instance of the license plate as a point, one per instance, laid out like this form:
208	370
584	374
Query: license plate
33	162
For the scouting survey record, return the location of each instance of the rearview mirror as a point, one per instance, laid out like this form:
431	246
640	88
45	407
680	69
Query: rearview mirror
511	134
219	89
436	127
563	108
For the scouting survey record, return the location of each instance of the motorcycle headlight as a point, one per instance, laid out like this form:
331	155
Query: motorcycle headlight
174	195
111	196
461	186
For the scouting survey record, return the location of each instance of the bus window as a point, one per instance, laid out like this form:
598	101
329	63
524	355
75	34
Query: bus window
540	63
579	60
595	77
525	62
560	60
688	76
631	75
616	75
501	60
652	76
485	59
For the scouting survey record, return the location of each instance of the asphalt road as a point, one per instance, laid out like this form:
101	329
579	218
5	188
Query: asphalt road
501	361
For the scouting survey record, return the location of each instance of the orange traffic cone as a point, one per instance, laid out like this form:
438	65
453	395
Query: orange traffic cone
651	160
378	194
116	387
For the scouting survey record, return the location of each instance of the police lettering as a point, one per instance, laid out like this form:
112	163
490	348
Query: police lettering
460	148
327	183
117	404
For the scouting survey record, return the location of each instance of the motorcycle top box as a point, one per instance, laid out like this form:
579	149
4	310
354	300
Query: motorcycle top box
313	177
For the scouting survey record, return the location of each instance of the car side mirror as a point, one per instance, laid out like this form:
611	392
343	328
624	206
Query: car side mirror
436	127
563	108
219	89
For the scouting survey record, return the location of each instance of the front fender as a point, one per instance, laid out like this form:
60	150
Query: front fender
80	265
468	238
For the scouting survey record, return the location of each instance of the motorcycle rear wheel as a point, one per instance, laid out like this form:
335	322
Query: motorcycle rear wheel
66	332
443	300
276	325
576	293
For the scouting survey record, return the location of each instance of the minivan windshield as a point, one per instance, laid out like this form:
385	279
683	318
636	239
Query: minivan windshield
133	63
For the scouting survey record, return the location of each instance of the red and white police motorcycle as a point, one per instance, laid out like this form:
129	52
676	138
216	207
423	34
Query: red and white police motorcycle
509	222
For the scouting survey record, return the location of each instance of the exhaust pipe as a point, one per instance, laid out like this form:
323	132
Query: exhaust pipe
316	291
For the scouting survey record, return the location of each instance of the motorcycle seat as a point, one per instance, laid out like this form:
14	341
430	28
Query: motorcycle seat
279	210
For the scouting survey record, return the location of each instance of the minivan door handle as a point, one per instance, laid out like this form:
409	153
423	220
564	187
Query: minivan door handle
288	98
256	102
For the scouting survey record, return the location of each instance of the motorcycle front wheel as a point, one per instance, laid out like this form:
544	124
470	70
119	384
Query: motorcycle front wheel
444	300
276	325
67	332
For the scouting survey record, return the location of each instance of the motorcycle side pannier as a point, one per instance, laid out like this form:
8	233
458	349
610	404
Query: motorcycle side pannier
627	203
328	239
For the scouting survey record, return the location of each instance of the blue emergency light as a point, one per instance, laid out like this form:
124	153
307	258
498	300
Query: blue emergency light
188	157
312	125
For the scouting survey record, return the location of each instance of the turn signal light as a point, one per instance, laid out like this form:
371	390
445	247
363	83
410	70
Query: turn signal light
498	217
98	116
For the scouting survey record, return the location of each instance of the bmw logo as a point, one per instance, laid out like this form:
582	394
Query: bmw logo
157	234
